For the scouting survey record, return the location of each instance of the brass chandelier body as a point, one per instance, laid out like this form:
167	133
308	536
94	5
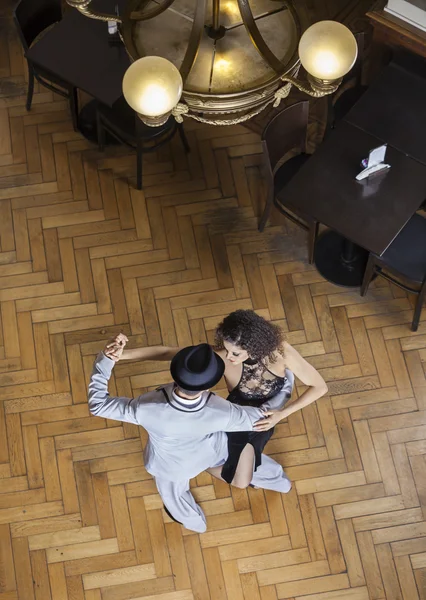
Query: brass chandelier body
233	55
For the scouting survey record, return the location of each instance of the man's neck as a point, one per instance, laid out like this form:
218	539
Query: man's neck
186	400
179	393
191	404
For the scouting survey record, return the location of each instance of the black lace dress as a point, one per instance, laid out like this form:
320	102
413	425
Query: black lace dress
256	386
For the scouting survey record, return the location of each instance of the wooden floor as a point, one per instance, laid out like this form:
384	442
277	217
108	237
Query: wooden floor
84	256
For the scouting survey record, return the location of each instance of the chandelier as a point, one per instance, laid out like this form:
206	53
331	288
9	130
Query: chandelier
223	61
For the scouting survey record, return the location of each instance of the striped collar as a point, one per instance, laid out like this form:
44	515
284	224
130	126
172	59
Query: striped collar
183	404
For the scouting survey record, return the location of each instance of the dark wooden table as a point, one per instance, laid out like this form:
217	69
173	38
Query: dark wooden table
363	215
394	107
78	50
394	32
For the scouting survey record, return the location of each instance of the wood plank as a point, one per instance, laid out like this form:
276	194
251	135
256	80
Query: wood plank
122	518
389	575
7	567
24	577
118	576
371	566
32	457
351	553
331	540
15	444
344	335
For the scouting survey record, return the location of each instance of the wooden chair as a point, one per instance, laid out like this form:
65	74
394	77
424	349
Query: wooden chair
286	132
32	18
351	88
405	259
121	122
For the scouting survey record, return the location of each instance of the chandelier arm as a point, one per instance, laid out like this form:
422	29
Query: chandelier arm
139	15
316	92
194	39
216	14
83	7
257	39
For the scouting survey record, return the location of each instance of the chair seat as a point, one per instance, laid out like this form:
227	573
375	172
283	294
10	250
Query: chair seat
347	100
407	253
121	117
287	170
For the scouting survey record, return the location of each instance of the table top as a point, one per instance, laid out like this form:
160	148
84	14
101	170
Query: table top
77	50
371	212
394	107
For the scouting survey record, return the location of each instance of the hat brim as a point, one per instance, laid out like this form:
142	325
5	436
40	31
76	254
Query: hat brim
198	382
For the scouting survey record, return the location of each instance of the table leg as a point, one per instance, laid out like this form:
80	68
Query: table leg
340	261
87	124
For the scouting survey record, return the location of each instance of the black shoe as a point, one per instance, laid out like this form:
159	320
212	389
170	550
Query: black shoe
171	516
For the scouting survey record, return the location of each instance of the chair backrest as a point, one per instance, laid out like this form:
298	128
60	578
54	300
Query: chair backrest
33	16
286	131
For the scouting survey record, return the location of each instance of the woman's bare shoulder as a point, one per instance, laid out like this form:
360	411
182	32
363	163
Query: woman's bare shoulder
278	363
287	353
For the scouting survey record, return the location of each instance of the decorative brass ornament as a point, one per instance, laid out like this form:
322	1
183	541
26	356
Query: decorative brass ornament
230	72
83	7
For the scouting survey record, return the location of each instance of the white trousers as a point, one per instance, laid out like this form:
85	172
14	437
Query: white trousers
179	501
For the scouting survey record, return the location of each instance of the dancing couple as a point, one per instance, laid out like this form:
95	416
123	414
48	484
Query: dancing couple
191	429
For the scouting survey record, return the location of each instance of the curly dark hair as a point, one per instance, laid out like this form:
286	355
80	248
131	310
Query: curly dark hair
246	329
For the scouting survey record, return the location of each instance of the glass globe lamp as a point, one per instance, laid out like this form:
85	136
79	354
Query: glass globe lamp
152	86
327	51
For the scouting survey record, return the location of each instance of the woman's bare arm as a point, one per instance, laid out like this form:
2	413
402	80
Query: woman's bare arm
150	353
307	375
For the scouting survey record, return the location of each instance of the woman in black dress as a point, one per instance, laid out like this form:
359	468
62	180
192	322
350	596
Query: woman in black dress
259	363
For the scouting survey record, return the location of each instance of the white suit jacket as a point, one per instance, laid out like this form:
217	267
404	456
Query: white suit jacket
183	441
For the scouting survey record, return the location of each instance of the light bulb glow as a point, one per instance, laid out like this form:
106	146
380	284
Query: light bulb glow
152	86
326	63
154	100
328	50
222	64
231	8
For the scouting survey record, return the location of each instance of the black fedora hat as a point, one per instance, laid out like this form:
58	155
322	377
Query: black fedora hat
197	368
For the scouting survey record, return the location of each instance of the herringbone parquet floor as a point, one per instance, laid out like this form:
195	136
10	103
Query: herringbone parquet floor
84	256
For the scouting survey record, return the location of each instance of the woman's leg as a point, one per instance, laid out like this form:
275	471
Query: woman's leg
216	472
245	468
244	471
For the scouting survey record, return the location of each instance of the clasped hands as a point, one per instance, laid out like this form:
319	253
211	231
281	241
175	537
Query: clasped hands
114	348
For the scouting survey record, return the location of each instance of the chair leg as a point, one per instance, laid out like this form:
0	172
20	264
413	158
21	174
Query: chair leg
139	165
330	123
73	98
313	234
418	308
182	135
30	87
267	210
368	275
100	131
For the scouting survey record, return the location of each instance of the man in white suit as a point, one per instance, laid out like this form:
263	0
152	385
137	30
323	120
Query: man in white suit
186	425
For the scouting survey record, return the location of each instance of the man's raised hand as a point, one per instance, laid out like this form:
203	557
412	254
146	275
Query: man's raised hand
114	348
